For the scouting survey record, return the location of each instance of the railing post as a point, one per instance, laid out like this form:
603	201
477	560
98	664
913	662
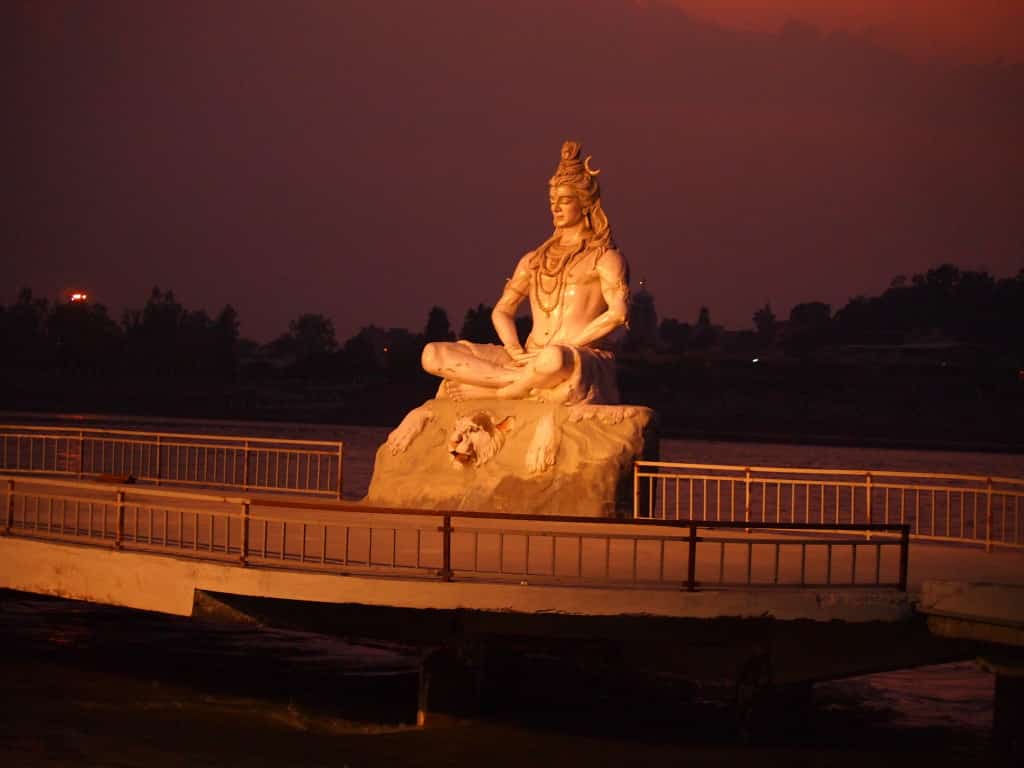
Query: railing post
243	551
988	515
691	566
867	493
119	530
159	460
446	548
81	453
245	466
341	446
746	497
904	556
9	522
636	491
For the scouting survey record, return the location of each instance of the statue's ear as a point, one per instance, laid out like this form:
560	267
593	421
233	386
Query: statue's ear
506	424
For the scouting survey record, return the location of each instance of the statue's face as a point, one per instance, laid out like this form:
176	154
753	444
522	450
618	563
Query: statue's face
566	210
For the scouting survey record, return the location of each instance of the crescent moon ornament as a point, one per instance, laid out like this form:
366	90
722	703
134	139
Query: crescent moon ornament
586	166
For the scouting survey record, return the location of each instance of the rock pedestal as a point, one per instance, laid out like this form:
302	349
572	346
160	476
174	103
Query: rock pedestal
514	457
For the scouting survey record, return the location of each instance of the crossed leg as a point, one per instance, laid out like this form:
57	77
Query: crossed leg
471	376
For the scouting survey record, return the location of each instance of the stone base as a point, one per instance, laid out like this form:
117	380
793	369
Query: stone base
547	459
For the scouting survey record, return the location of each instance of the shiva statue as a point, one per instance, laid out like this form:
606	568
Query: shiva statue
578	286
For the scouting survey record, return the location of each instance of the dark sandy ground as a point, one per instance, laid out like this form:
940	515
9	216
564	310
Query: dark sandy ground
65	715
86	685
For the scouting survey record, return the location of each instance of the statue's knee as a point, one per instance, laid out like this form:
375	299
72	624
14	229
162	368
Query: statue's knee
550	360
430	358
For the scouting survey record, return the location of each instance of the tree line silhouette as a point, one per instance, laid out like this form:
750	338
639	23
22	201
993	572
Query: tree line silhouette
165	338
943	307
962	333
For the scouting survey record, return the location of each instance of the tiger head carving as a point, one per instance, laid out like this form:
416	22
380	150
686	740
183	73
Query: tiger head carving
476	439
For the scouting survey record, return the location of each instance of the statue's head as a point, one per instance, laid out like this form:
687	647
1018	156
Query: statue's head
576	174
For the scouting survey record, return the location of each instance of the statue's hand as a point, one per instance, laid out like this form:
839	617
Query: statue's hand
520	357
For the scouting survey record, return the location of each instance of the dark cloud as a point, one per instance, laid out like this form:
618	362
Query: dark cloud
370	160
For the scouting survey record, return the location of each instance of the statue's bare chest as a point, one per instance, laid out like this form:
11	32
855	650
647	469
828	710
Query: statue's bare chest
581	274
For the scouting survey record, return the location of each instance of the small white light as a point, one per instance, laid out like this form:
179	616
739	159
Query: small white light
756	360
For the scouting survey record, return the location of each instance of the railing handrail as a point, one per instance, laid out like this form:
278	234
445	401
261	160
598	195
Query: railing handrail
131	491
242	462
852	482
977	509
874	473
117	534
355	506
126	488
11	430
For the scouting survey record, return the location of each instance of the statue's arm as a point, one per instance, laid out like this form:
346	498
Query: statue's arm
613	277
503	316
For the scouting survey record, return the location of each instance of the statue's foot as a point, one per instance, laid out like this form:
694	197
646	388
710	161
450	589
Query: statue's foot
543	450
459	391
413	423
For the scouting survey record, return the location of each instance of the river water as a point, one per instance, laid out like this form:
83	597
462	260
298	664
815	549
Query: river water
94	685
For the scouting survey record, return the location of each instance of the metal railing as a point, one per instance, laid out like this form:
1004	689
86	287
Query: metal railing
533	549
244	463
944	507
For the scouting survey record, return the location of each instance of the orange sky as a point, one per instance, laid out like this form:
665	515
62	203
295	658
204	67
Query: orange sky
972	29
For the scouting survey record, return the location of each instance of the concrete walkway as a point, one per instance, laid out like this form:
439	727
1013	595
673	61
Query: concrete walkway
499	565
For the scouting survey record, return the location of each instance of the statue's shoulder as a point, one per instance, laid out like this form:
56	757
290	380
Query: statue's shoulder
524	268
609	255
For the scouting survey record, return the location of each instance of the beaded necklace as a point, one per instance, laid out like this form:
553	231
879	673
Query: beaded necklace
556	272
